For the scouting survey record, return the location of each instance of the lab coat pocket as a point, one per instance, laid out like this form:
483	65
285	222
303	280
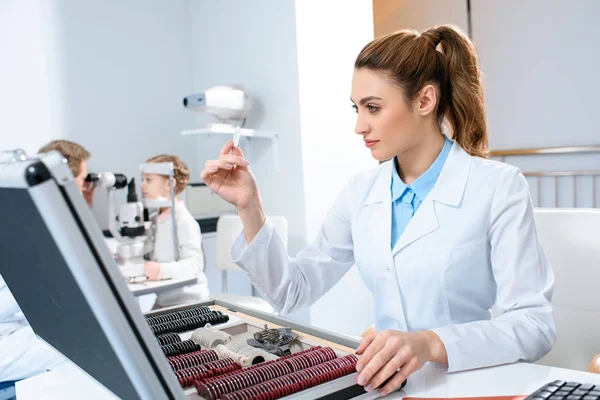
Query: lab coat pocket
422	286
470	282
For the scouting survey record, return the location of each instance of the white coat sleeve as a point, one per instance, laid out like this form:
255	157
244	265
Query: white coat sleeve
191	258
291	283
524	328
8	304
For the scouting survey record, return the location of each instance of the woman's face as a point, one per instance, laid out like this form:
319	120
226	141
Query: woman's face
388	123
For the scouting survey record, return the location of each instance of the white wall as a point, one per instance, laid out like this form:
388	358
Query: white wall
331	151
540	77
239	42
128	65
31	75
392	15
541	87
540	74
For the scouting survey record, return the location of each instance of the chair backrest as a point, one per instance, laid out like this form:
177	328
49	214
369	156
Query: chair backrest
571	239
229	228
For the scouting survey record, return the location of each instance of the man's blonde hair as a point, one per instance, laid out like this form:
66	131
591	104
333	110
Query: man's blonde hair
73	152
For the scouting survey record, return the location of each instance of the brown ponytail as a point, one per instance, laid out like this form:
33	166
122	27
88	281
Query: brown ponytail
413	61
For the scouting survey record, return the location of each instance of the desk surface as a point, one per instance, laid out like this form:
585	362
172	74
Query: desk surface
148	287
140	289
506	380
69	382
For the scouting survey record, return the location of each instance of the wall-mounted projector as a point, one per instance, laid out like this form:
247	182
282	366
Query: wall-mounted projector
230	105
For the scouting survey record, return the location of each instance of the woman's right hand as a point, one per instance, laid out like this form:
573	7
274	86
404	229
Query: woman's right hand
230	177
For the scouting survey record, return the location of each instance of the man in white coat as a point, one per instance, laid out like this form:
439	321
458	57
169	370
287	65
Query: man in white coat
22	353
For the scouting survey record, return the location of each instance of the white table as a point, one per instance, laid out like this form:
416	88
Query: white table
69	382
506	380
147	287
65	382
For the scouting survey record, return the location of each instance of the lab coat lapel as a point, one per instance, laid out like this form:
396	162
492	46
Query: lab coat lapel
449	190
379	211
422	223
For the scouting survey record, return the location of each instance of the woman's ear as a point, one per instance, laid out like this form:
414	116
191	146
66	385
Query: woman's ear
427	100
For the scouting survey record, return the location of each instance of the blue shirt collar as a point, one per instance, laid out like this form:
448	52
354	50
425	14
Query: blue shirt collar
423	184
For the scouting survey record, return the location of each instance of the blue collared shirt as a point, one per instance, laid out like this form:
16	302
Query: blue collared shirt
406	199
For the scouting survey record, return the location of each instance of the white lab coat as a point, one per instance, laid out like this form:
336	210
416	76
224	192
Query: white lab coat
472	245
22	353
191	259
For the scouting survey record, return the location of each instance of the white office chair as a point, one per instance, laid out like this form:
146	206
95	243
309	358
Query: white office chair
571	240
228	229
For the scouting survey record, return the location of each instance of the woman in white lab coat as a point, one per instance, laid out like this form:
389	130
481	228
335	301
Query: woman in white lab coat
439	233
